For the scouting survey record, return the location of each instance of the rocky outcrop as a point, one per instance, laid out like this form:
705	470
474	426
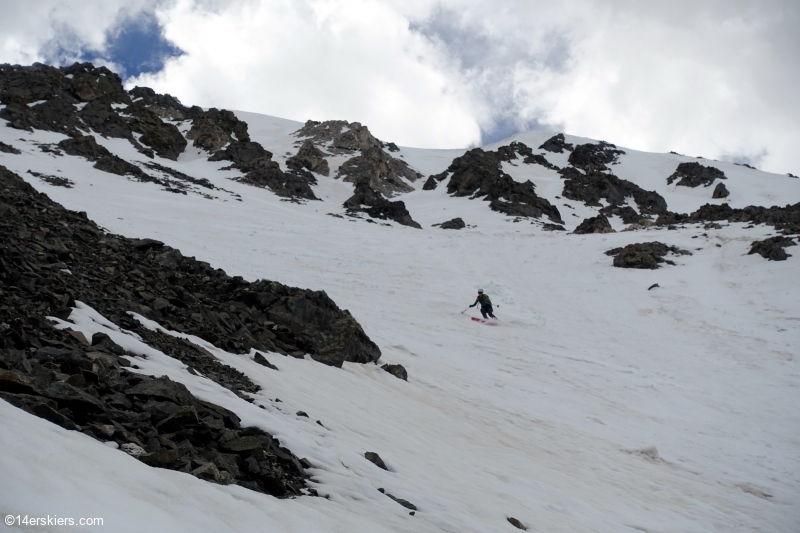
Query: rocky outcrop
720	191
772	248
310	158
367	200
626	213
556	144
594	156
166	106
430	184
509	153
479	174
694	174
380	171
89	388
116	275
786	219
592	186
598	224
50	257
8	149
97	88
164	138
647	255
213	129
456	223
339	136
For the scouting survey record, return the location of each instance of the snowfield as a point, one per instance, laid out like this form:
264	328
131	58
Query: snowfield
595	405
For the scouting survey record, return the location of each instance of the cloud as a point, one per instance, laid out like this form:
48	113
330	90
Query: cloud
355	60
712	78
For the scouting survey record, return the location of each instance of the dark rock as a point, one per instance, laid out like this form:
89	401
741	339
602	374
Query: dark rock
594	156
340	135
56	181
302	413
161	458
648	255
772	248
101	341
479	174
720	191
694	174
39	239
430	184
261	360
598	224
653	286
8	149
375	459
162	388
311	158
626	213
556	144
164	105
553	227
509	153
371	202
162	137
786	219
213	129
397	371
456	223
392	147
404	503
242	444
241	153
263	172
379	171
593	186
516	523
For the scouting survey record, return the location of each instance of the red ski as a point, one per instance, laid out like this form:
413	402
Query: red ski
484	321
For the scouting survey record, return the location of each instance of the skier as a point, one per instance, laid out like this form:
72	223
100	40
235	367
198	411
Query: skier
486	304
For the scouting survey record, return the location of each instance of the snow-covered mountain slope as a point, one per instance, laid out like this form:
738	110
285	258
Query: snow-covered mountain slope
594	404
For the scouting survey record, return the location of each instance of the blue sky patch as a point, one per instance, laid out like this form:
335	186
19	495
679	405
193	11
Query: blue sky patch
139	46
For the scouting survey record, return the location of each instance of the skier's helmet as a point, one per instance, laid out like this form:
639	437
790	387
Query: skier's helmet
480	291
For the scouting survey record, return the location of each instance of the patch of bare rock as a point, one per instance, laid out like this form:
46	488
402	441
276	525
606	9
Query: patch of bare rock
647	255
694	174
556	144
597	224
479	174
772	248
594	156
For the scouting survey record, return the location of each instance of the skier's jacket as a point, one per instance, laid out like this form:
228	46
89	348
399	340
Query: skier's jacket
482	299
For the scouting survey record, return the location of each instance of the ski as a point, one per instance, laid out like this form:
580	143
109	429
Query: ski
484	321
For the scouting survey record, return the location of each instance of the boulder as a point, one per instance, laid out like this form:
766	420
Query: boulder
375	459
598	224
456	223
772	248
648	255
720	191
397	371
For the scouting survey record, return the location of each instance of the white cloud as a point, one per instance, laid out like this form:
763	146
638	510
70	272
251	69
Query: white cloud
708	78
353	60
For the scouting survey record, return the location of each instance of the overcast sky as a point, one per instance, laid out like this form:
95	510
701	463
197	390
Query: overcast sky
717	78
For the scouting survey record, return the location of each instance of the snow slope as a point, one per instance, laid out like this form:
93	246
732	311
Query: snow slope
550	417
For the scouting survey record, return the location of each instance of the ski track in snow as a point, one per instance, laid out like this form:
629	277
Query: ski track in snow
547	417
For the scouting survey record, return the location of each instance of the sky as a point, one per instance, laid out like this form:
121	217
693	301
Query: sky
712	78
